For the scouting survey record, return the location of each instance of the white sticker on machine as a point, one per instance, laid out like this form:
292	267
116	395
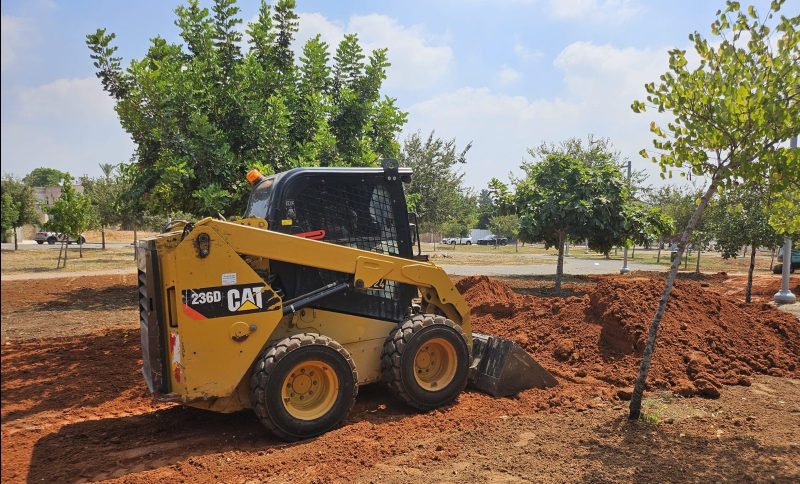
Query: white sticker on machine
228	278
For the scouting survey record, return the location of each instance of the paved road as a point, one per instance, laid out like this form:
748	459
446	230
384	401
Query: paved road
571	266
30	244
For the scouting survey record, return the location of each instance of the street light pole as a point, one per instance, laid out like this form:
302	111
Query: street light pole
625	269
785	295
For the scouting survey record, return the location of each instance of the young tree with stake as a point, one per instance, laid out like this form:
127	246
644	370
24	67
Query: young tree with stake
731	117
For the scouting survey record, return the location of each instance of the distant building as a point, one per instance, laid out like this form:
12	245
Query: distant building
46	196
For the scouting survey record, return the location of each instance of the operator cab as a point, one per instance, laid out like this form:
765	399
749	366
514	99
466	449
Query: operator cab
363	208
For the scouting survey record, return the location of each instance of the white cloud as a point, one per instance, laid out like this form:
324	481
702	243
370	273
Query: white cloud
603	10
526	54
600	83
418	58
67	99
508	75
69	124
11	30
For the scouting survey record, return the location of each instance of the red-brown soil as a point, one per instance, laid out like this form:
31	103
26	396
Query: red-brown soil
597	338
75	407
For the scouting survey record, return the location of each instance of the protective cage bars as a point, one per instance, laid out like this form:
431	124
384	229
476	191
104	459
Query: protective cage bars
356	211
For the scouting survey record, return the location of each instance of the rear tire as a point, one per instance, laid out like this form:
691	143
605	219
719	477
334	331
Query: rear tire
303	386
51	240
40	242
425	361
469	242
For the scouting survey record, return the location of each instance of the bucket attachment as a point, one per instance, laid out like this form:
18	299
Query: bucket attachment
502	368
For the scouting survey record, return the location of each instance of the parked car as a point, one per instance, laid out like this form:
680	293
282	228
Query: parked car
52	237
460	241
493	240
795	262
446	241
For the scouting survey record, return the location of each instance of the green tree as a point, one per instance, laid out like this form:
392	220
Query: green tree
20	202
70	215
436	186
562	196
9	214
502	198
505	225
784	213
204	111
107	169
44	177
742	219
104	195
731	112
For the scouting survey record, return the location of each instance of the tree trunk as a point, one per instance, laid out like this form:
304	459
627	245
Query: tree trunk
516	245
135	240
658	257
15	238
66	250
633	250
641	379
80	248
749	289
560	265
697	267
686	262
744	254
103	236
772	260
58	262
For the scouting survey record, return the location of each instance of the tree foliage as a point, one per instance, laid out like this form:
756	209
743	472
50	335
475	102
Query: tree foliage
19	205
105	194
437	191
9	213
784	214
742	219
505	225
203	112
71	213
44	177
564	196
731	113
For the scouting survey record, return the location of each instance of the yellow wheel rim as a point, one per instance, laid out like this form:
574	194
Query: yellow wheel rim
435	364
309	390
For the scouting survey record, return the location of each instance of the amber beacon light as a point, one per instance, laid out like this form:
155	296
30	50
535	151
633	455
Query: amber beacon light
254	176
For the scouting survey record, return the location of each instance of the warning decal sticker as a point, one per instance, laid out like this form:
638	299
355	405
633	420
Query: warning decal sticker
216	302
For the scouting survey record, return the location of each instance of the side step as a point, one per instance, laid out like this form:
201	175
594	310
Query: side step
502	368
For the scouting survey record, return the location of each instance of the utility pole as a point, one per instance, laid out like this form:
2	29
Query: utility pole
625	269
785	295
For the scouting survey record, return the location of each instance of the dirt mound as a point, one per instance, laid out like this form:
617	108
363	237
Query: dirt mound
705	340
488	295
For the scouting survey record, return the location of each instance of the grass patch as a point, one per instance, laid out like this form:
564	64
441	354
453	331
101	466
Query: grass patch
44	260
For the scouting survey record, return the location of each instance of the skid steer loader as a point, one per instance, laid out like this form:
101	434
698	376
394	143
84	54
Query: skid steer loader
315	292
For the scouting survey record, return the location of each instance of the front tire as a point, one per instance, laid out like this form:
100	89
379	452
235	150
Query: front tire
40	242
469	242
51	240
425	361
303	386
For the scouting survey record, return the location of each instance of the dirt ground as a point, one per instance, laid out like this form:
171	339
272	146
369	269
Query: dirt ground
75	407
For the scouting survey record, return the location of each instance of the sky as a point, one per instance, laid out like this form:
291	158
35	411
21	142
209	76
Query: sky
505	75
